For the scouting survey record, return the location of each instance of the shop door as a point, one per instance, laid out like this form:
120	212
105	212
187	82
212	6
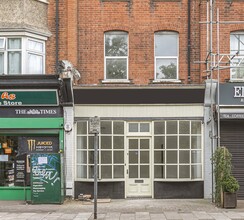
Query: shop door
139	167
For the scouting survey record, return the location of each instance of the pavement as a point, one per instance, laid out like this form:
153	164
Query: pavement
122	209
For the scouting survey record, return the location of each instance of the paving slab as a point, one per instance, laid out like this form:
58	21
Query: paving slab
172	216
233	215
142	216
188	216
112	216
127	216
219	216
202	215
157	216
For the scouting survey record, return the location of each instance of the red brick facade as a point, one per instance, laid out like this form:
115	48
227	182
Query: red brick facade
82	24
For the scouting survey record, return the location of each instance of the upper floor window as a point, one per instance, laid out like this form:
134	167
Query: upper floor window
166	55
237	51
21	55
116	55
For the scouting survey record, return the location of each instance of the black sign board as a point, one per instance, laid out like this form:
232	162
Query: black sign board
20	170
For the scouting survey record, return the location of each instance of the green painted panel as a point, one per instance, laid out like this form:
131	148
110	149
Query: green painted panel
15	193
28	98
31	123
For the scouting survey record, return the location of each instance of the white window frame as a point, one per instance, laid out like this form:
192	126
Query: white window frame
166	57
24	50
116	57
238	58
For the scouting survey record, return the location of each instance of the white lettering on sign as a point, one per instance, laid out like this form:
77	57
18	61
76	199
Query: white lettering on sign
238	91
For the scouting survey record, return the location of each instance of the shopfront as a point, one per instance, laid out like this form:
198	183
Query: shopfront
31	141
150	144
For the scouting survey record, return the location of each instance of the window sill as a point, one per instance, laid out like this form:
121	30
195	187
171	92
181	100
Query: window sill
119	81
166	81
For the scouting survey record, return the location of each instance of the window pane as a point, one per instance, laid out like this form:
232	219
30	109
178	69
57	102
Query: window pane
171	127
171	171
159	172
1	63
118	142
184	142
233	43
106	142
196	127
118	157
116	44
171	156
159	142
34	45
159	127
35	64
2	43
133	127
158	156
196	142
82	142
118	127
91	157
106	127
82	127
133	157
166	44
237	73
184	156
91	171
118	171
91	142
116	68
133	171
144	143
196	156
82	157
144	171
184	127
81	171
106	172
144	127
106	157
14	62
144	157
171	142
166	68
196	171
184	171
14	43
133	144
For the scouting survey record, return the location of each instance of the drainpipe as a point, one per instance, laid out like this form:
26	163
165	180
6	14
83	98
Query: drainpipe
57	36
189	41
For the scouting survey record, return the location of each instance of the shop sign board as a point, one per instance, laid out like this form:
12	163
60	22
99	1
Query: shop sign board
20	170
45	178
232	115
15	98
231	94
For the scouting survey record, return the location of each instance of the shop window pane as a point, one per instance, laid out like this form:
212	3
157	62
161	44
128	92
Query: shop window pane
106	172
118	127
158	156
184	127
159	127
184	156
184	171
91	172
159	172
171	127
184	142
144	157
159	142
82	142
144	171
133	127
144	127
118	171
196	171
91	157
196	156
133	144
171	156
118	142
106	157
81	171
118	157
106	127
196	142
133	171
91	142
82	127
106	142
196	127
81	157
171	171
171	142
133	157
144	143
